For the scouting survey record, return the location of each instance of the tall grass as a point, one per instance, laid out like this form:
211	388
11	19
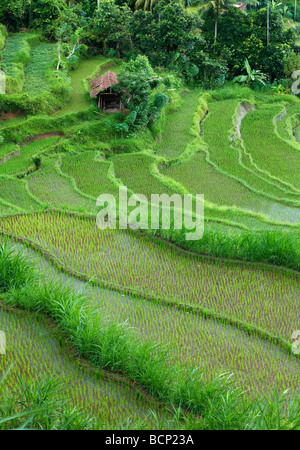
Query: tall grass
39	406
115	347
15	270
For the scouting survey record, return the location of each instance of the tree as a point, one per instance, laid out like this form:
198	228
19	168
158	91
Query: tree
252	76
291	62
252	3
69	29
137	79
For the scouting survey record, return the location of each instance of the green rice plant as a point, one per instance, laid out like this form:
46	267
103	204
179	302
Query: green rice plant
23	161
203	340
36	79
51	188
39	352
89	172
42	406
133	170
7	150
220	405
15	192
268	152
284	121
175	134
7	208
198	175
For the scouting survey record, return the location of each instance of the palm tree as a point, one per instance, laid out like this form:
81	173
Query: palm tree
252	75
252	3
217	5
145	4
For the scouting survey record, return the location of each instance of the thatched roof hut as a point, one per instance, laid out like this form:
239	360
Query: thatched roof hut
106	98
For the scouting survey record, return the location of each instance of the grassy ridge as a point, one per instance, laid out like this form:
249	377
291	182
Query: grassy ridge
108	400
36	79
113	346
257	295
199	338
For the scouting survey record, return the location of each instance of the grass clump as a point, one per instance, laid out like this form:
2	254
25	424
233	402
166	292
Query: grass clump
114	346
39	405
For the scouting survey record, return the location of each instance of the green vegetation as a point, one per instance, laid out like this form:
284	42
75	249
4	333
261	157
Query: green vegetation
3	34
86	166
139	325
22	162
36	79
272	155
144	362
79	99
151	268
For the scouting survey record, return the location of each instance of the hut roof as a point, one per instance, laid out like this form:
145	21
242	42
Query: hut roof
102	83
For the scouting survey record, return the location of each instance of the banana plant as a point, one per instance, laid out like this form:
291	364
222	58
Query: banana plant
252	75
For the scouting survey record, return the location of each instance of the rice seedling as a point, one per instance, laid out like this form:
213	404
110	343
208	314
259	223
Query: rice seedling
175	136
89	172
134	171
15	193
268	152
199	176
55	190
42	58
112	345
256	294
21	162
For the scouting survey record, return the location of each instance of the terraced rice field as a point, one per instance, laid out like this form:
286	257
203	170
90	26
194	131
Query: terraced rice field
265	297
210	344
42	59
268	151
36	349
219	315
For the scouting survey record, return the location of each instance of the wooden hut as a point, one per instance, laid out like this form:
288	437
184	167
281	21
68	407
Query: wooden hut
107	99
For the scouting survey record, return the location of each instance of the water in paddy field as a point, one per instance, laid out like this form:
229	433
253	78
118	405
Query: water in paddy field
207	343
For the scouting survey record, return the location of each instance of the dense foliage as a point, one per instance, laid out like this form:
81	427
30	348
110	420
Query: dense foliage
169	35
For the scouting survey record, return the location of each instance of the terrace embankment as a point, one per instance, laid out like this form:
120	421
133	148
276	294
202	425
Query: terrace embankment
37	348
258	365
244	108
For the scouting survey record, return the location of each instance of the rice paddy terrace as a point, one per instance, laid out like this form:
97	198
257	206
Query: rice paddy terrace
226	304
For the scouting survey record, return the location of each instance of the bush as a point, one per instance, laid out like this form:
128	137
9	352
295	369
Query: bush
3	34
